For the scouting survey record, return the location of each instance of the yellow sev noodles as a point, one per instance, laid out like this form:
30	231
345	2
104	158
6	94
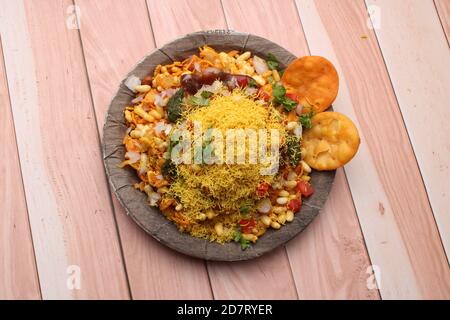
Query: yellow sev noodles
223	188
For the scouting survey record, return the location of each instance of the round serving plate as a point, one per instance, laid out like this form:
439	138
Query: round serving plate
135	202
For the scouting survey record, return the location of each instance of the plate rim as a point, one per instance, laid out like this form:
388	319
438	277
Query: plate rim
166	232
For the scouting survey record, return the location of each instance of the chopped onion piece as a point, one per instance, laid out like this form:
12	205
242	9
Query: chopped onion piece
215	87
143	164
197	67
299	109
298	131
153	198
264	206
260	65
159	127
292	176
168	92
168	129
148	189
133	156
232	83
138	99
213	72
250	91
159	101
132	82
261	102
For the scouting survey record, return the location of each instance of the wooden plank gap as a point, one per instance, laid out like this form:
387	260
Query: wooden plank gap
113	211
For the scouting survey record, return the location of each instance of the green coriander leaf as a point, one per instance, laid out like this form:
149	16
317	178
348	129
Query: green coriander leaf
245	244
244	211
279	97
195	101
169	169
252	83
237	236
206	94
281	72
289	104
174	110
293	149
272	62
278	92
305	120
272	65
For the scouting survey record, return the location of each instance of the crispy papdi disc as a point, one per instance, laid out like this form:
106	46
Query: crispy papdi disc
331	142
315	80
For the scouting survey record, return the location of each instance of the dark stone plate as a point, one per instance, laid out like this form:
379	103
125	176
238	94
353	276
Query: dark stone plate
135	202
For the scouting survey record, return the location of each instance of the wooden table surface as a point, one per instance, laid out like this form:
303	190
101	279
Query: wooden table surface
63	235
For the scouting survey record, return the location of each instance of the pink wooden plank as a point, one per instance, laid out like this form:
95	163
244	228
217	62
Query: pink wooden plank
267	277
185	17
74	233
443	9
417	57
270	276
18	274
386	185
154	271
329	259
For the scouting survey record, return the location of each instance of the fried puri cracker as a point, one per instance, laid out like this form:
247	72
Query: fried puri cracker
315	80
331	142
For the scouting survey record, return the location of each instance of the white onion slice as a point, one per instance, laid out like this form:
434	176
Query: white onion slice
250	91
292	176
138	99
142	170
299	109
264	206
168	93
212	71
143	164
133	156
132	82
260	65
197	67
298	131
148	189
159	127
168	129
154	197
261	102
215	88
159	101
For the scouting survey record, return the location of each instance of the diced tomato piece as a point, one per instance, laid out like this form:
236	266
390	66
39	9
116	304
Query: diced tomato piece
295	205
262	189
305	188
263	94
242	81
292	96
247	225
